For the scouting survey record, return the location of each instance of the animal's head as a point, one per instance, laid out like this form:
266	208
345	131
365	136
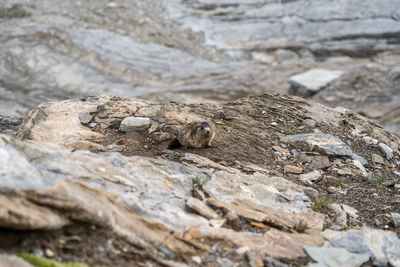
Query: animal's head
204	128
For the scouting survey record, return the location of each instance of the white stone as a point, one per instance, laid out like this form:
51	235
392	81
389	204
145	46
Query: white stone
135	124
310	176
196	259
387	150
242	250
315	79
352	212
358	164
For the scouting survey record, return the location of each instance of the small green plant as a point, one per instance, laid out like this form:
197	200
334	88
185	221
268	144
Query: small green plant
378	180
42	262
344	228
335	182
300	226
321	204
15	11
199	182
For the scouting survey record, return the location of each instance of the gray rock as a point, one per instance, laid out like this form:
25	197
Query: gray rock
377	159
359	158
387	150
310	176
321	142
382	246
310	82
85	118
135	124
370	141
333	257
310	123
396	219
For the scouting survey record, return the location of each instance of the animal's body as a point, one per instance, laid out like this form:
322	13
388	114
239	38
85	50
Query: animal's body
196	135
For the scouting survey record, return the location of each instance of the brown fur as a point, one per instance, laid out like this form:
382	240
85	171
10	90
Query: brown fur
196	134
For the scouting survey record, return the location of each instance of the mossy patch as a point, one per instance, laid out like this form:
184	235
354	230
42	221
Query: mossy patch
42	262
15	11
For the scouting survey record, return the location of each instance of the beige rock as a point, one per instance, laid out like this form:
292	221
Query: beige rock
292	169
201	208
280	149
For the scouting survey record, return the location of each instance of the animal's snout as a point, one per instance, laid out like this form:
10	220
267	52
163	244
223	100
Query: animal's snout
208	131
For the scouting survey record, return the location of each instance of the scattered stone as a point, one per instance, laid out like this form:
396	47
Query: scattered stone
369	140
377	159
387	150
310	123
280	149
396	219
201	208
294	151
360	167
274	123
85	118
310	82
242	250
292	169
135	124
310	176
321	142
332	257
359	158
352	212
394	146
341	216
49	253
196	259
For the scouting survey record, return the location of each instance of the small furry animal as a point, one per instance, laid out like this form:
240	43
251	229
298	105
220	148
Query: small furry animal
195	134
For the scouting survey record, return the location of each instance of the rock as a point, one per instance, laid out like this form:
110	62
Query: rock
352	212
396	219
49	253
359	158
14	261
341	216
360	167
310	82
387	150
325	143
196	259
242	250
370	141
201	208
382	246
309	123
377	159
310	176
292	169
112	5
332	257
135	124
85	118
280	149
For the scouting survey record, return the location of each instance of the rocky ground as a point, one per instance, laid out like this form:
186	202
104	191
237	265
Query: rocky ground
287	181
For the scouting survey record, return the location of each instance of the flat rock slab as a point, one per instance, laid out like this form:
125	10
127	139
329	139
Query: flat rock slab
312	81
382	246
331	257
321	142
